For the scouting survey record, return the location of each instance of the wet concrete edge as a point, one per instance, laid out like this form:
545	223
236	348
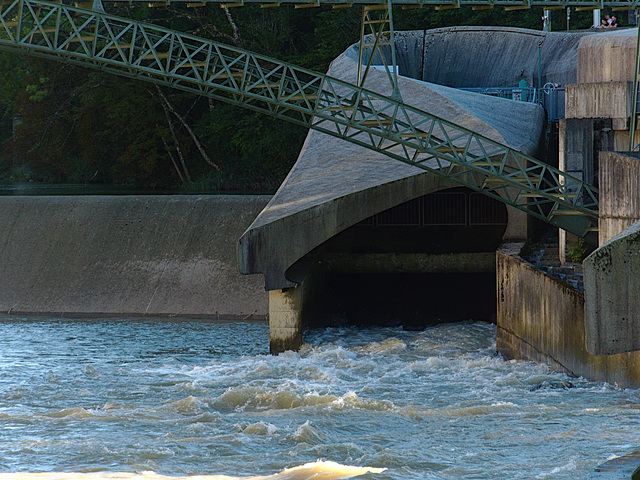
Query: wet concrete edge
626	467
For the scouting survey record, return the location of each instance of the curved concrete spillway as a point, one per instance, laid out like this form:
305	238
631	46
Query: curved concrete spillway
334	185
488	56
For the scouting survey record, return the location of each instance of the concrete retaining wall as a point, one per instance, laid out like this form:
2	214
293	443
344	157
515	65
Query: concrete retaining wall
138	255
540	318
612	272
613	295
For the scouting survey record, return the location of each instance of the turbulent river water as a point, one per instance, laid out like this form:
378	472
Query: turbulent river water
117	398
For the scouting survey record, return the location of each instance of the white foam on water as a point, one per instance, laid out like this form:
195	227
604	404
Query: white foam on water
320	470
434	404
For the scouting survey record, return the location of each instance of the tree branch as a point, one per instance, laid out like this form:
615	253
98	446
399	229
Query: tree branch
166	105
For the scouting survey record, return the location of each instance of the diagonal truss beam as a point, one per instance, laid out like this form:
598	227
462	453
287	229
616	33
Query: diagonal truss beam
399	131
445	4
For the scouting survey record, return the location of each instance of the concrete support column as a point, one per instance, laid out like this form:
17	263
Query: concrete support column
285	319
596	17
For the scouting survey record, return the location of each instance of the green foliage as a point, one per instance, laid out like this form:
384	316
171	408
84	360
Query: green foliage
36	92
12	75
254	151
578	252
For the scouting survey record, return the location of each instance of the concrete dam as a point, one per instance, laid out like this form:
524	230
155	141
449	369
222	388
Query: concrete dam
350	228
349	232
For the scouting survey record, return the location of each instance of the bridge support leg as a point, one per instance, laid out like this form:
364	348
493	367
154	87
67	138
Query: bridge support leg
285	319
376	34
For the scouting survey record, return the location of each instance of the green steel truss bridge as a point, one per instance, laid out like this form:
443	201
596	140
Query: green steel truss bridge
124	47
442	4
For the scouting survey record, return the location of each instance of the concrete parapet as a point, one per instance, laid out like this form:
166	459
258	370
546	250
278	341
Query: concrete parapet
607	56
600	100
127	255
542	319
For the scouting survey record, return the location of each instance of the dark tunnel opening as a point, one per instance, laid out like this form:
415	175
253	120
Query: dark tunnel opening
409	300
429	260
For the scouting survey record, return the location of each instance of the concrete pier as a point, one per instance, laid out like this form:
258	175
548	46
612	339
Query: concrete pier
542	319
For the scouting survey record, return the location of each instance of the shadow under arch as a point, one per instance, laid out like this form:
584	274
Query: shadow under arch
426	261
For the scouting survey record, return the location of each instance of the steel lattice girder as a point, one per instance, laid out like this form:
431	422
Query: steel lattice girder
304	97
482	4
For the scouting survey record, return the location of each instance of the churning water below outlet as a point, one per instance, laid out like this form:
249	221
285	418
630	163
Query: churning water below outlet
187	398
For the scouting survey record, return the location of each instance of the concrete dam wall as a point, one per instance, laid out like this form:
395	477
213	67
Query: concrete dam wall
127	255
465	57
334	185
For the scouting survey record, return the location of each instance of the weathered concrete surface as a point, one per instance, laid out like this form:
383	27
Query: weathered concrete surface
611	288
334	184
606	63
541	319
488	56
607	57
597	110
578	144
598	106
612	292
599	100
619	180
285	319
139	255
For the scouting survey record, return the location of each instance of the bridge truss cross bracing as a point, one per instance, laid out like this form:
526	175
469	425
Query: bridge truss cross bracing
479	4
335	107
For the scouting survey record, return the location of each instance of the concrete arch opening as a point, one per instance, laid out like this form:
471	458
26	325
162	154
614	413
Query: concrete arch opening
409	265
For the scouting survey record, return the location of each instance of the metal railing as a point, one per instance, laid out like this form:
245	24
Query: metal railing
550	97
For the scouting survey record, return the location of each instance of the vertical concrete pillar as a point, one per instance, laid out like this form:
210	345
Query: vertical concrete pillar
517	228
285	319
575	145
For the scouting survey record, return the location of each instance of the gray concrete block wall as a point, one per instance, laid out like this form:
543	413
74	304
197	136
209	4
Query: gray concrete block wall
612	272
542	319
619	193
607	57
138	255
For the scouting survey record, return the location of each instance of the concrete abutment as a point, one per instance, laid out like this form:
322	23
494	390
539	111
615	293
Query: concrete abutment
542	319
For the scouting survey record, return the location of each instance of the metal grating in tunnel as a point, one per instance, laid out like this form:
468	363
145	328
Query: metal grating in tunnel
456	207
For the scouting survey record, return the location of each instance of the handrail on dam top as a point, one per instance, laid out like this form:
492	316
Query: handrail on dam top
550	97
335	107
